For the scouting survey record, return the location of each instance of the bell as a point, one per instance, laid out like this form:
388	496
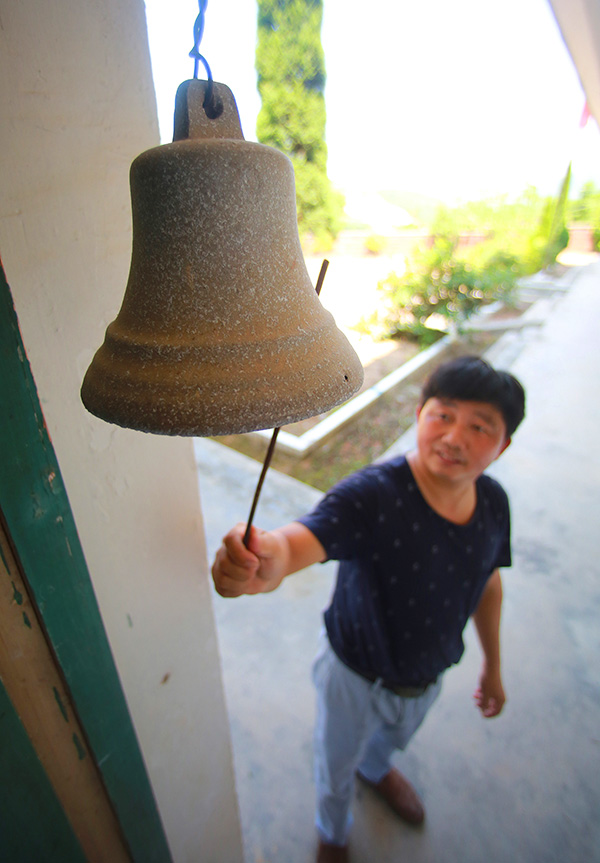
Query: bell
220	329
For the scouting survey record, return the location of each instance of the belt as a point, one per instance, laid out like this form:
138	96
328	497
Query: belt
397	689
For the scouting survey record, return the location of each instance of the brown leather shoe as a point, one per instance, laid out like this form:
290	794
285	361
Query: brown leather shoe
327	853
400	796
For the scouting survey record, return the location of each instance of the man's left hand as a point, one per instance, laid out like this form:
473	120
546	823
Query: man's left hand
490	697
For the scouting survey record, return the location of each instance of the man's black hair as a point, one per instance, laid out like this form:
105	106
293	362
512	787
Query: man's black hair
473	379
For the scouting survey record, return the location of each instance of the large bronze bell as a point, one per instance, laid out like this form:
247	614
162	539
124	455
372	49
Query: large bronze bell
220	330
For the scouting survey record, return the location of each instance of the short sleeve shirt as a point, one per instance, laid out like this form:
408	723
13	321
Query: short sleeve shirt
408	579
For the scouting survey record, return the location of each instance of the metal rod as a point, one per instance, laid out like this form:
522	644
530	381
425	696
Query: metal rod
273	441
261	479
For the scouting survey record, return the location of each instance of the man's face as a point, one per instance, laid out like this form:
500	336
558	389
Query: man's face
457	440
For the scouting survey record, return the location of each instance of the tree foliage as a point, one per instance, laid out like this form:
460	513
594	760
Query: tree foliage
291	82
552	235
452	281
586	209
531	228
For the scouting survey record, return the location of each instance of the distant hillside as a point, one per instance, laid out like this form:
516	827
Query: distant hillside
421	207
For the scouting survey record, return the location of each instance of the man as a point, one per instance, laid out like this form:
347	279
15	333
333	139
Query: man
420	540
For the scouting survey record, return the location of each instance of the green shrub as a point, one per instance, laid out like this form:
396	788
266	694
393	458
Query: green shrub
440	283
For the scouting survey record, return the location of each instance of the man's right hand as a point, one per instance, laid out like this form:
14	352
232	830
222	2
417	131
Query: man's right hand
238	570
270	556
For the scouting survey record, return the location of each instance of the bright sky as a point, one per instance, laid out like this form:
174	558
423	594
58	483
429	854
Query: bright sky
457	100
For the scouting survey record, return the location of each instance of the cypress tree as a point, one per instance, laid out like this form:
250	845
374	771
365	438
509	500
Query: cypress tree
291	81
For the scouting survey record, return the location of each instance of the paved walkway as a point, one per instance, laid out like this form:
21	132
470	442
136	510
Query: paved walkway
524	788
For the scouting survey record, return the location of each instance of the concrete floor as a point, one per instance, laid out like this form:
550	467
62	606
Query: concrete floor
524	787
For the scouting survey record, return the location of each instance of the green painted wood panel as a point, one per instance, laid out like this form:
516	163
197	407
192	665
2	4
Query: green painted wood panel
33	826
36	508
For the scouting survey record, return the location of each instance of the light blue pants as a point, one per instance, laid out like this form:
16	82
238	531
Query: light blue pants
359	725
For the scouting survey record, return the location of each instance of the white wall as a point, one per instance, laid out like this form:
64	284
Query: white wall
579	23
77	107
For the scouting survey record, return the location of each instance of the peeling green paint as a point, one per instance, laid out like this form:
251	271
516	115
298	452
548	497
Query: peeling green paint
62	707
17	595
37	509
34	824
4	561
81	753
39	520
26	620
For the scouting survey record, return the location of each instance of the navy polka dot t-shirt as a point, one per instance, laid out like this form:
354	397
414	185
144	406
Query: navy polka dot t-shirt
408	579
